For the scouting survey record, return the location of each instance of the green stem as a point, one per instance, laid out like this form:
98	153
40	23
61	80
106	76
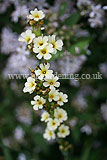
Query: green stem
67	155
37	31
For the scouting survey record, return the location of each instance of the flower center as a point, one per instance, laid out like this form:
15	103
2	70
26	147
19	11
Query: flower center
50	133
53	43
43	72
44	51
59	115
31	84
46	117
51	83
51	96
28	39
62	131
36	16
41	43
39	102
53	123
60	99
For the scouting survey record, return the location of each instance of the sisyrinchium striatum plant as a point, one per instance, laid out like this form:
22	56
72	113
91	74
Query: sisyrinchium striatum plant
43	82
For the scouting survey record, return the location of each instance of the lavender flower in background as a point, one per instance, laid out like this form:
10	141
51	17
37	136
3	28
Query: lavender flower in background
40	4
95	22
24	115
21	156
73	122
95	13
104	111
19	61
20	11
79	102
96	16
74	83
103	69
84	6
9	41
19	134
86	129
18	64
37	129
72	64
10	44
4	5
7	141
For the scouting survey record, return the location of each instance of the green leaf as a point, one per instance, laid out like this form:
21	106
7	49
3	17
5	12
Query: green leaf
39	140
67	155
86	151
62	8
57	55
81	45
73	19
6	153
76	134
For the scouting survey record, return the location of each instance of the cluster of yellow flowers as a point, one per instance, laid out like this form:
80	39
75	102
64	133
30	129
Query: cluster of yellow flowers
42	81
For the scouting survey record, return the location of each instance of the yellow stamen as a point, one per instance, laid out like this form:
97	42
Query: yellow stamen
59	115
44	72
31	84
43	51
50	133
41	44
51	83
28	39
62	131
51	96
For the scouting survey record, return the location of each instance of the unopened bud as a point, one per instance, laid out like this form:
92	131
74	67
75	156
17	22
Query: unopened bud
56	105
31	69
37	88
40	90
31	22
52	107
48	90
41	22
45	62
36	68
29	46
66	143
61	147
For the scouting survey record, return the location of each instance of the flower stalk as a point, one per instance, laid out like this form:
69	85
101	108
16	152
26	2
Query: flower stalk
43	83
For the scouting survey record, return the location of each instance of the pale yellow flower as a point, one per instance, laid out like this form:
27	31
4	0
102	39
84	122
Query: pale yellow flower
62	98
36	15
53	124
45	116
49	135
53	95
57	44
40	42
27	36
44	52
43	71
38	102
63	131
51	82
29	85
60	114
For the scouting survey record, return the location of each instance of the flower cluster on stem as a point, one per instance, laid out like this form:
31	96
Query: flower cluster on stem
42	80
